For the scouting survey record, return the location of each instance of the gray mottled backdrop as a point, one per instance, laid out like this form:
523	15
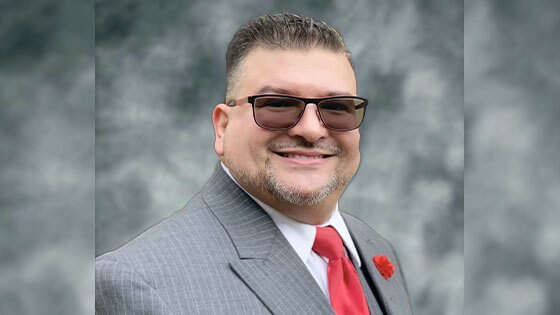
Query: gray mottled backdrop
159	70
47	174
512	178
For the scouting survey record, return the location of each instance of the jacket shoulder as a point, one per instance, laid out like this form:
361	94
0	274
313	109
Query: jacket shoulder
190	230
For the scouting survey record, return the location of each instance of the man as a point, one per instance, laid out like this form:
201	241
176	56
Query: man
265	234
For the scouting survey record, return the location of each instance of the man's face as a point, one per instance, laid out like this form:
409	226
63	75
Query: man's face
306	166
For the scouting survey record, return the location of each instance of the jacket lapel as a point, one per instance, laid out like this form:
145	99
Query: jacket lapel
282	282
267	263
391	292
374	307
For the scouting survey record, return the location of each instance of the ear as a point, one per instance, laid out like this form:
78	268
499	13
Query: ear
220	119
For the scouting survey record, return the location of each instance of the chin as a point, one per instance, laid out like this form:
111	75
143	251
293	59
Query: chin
305	185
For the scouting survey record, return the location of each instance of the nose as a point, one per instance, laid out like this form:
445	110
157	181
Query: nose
310	127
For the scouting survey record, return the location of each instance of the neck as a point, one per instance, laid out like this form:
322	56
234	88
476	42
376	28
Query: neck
310	214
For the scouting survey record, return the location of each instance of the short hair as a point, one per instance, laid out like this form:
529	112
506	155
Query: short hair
279	31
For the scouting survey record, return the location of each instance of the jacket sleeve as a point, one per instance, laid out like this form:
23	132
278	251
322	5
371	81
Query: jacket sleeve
121	290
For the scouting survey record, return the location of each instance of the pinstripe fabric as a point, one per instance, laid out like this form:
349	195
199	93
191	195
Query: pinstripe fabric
392	292
221	254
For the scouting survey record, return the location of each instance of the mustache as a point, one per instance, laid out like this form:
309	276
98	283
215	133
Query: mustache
302	143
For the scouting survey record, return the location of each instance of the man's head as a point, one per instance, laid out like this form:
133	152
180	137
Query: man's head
301	171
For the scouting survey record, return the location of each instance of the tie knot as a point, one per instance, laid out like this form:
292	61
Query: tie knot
328	243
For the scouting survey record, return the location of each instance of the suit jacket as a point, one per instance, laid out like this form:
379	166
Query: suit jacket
222	254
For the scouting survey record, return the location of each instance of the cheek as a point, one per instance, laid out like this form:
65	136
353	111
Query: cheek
234	143
351	143
352	148
245	143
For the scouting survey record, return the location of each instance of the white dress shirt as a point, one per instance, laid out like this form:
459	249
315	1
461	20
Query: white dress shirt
301	237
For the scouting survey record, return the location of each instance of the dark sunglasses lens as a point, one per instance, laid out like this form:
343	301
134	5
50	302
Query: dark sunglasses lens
277	113
342	113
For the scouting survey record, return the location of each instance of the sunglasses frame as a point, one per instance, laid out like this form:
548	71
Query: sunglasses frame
251	100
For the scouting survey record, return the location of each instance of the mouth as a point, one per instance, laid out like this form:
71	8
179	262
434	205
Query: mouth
304	155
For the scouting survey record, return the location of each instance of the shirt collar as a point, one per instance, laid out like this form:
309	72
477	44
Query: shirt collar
301	235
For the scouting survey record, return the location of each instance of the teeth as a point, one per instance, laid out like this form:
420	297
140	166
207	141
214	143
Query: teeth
297	156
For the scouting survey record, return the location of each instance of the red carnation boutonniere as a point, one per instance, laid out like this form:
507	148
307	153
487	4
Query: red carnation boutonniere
384	265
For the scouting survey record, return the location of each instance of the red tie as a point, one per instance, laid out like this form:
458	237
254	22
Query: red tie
346	293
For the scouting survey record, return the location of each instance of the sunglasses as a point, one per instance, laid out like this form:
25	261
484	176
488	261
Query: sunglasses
280	112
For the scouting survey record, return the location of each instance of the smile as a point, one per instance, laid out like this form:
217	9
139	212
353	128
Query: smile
304	155
299	156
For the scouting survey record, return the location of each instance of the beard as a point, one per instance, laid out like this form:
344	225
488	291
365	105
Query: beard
294	194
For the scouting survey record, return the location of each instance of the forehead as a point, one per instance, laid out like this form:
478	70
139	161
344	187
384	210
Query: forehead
312	72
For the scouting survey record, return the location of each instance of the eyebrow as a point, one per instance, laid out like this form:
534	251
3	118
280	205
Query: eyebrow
278	90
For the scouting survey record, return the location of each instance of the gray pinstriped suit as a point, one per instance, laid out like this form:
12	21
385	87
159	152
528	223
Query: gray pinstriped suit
222	254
